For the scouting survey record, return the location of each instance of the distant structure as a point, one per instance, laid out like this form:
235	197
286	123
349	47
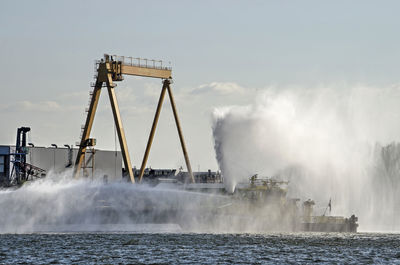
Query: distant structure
21	162
164	175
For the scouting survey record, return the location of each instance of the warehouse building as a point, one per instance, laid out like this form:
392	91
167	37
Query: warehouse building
60	159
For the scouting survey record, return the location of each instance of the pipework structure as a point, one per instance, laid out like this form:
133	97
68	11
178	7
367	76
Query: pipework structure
111	69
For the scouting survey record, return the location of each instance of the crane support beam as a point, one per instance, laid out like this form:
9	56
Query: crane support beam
120	128
88	127
104	75
178	127
145	71
153	131
166	87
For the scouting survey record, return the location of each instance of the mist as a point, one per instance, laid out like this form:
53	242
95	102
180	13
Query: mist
333	142
59	203
336	143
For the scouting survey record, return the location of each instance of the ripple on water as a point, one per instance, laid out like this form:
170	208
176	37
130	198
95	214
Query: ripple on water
103	248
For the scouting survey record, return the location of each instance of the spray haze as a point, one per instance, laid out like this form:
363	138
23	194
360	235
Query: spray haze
58	203
338	143
334	142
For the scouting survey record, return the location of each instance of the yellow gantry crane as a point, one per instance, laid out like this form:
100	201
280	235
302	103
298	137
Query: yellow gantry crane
110	69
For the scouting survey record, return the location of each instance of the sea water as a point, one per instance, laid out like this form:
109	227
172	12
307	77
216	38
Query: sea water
182	248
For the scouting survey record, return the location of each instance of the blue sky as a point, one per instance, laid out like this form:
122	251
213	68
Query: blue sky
222	53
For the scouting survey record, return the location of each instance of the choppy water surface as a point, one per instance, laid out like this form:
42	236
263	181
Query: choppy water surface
167	248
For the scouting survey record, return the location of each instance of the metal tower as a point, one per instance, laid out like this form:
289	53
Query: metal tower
110	69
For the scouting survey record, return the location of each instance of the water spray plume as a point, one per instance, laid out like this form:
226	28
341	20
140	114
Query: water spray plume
328	142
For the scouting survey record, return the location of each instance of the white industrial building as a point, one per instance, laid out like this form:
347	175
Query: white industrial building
59	159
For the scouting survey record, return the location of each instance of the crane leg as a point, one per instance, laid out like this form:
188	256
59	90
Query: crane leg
178	126
153	130
88	127
120	128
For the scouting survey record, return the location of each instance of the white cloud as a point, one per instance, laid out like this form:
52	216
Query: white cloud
220	87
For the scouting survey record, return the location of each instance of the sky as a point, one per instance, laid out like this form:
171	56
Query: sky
222	53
